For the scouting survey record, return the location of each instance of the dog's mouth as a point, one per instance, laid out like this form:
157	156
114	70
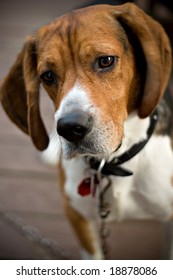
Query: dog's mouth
87	149
71	150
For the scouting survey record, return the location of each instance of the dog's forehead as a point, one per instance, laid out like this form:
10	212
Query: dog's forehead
88	16
92	23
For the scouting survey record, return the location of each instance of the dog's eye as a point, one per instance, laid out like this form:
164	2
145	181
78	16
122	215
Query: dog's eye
105	61
48	77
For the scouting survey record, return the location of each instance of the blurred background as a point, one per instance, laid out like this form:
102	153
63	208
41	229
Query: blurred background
32	222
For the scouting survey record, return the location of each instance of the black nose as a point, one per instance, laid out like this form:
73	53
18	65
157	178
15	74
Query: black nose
74	126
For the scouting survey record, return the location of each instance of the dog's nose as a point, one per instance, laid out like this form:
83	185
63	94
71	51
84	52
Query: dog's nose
74	126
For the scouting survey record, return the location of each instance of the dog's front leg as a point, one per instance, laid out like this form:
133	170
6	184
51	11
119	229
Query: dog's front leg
86	232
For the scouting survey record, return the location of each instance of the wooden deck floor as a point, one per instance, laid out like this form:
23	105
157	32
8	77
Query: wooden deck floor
31	212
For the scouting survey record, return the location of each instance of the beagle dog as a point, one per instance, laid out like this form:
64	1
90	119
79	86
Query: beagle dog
106	69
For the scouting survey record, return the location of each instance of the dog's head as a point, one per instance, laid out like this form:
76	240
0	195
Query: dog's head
98	64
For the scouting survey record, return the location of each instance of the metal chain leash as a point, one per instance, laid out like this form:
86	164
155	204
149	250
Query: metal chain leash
104	234
104	211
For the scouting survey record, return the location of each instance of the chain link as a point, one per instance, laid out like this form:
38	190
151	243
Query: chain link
104	234
104	210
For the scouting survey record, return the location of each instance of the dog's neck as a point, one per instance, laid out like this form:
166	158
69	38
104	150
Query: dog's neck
114	167
135	130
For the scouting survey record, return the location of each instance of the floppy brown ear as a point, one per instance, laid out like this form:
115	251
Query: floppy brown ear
19	95
13	94
156	50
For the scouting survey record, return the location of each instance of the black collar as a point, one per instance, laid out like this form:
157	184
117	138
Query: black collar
112	167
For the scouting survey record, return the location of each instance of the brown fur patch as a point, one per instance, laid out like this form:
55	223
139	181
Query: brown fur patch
80	226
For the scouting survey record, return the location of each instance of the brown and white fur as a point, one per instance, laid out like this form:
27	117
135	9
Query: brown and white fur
119	99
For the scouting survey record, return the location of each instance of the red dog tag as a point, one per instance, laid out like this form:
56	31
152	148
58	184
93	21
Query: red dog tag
85	186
